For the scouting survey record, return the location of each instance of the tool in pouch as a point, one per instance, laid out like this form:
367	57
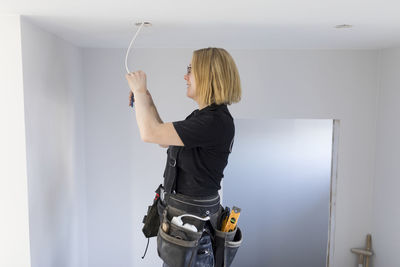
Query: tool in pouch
179	230
229	222
177	220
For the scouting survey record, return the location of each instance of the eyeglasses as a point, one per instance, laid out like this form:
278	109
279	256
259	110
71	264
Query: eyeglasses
189	69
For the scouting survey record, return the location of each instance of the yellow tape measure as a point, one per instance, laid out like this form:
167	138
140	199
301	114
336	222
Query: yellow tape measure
229	223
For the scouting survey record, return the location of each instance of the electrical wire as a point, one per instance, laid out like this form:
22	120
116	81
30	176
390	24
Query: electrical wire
129	48
126	59
194	216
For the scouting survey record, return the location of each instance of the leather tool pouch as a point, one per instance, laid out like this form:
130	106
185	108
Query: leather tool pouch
177	247
152	219
226	244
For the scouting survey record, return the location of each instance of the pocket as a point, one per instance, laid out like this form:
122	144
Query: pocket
205	255
178	247
151	221
226	246
231	247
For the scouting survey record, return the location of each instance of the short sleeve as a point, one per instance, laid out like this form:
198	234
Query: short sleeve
199	131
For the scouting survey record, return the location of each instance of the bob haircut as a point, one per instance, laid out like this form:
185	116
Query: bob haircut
217	77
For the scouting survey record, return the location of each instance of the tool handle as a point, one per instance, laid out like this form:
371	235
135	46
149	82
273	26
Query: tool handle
132	100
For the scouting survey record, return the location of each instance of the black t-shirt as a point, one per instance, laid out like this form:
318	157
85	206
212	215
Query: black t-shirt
207	135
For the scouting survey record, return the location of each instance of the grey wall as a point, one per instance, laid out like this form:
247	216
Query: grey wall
279	174
54	138
386	216
122	171
277	84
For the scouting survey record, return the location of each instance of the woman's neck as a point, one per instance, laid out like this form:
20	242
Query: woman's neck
201	106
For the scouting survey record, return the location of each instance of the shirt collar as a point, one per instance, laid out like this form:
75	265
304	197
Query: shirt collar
212	106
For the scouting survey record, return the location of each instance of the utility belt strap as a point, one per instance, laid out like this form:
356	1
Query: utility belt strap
171	173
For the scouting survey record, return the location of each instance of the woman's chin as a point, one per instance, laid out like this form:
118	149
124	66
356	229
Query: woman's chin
189	95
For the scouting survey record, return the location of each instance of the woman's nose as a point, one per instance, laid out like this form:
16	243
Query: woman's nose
185	77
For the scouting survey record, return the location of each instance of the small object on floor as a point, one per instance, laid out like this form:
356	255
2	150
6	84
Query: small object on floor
364	253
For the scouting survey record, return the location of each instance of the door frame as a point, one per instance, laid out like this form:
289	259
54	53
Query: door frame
333	190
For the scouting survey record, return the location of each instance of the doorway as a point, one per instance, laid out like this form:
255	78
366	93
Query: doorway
282	174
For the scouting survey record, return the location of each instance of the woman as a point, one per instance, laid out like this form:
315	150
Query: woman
202	142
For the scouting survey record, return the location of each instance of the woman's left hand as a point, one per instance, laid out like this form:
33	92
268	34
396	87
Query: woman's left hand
137	81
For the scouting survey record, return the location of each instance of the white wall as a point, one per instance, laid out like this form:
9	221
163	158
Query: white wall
123	171
14	223
386	215
54	139
276	83
324	84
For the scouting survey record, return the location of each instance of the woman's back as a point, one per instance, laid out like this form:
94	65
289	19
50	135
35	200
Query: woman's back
208	136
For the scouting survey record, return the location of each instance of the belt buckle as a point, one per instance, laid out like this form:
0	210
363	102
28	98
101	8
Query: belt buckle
173	164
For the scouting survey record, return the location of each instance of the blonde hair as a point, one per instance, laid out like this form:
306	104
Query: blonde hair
217	77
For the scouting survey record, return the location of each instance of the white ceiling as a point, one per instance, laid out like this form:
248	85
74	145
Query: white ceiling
244	24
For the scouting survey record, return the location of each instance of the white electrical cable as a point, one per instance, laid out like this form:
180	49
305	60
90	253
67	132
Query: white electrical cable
177	220
129	48
194	216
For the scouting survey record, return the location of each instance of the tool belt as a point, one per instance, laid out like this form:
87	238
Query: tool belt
180	247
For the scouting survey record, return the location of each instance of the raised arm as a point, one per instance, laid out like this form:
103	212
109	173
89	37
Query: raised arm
152	128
